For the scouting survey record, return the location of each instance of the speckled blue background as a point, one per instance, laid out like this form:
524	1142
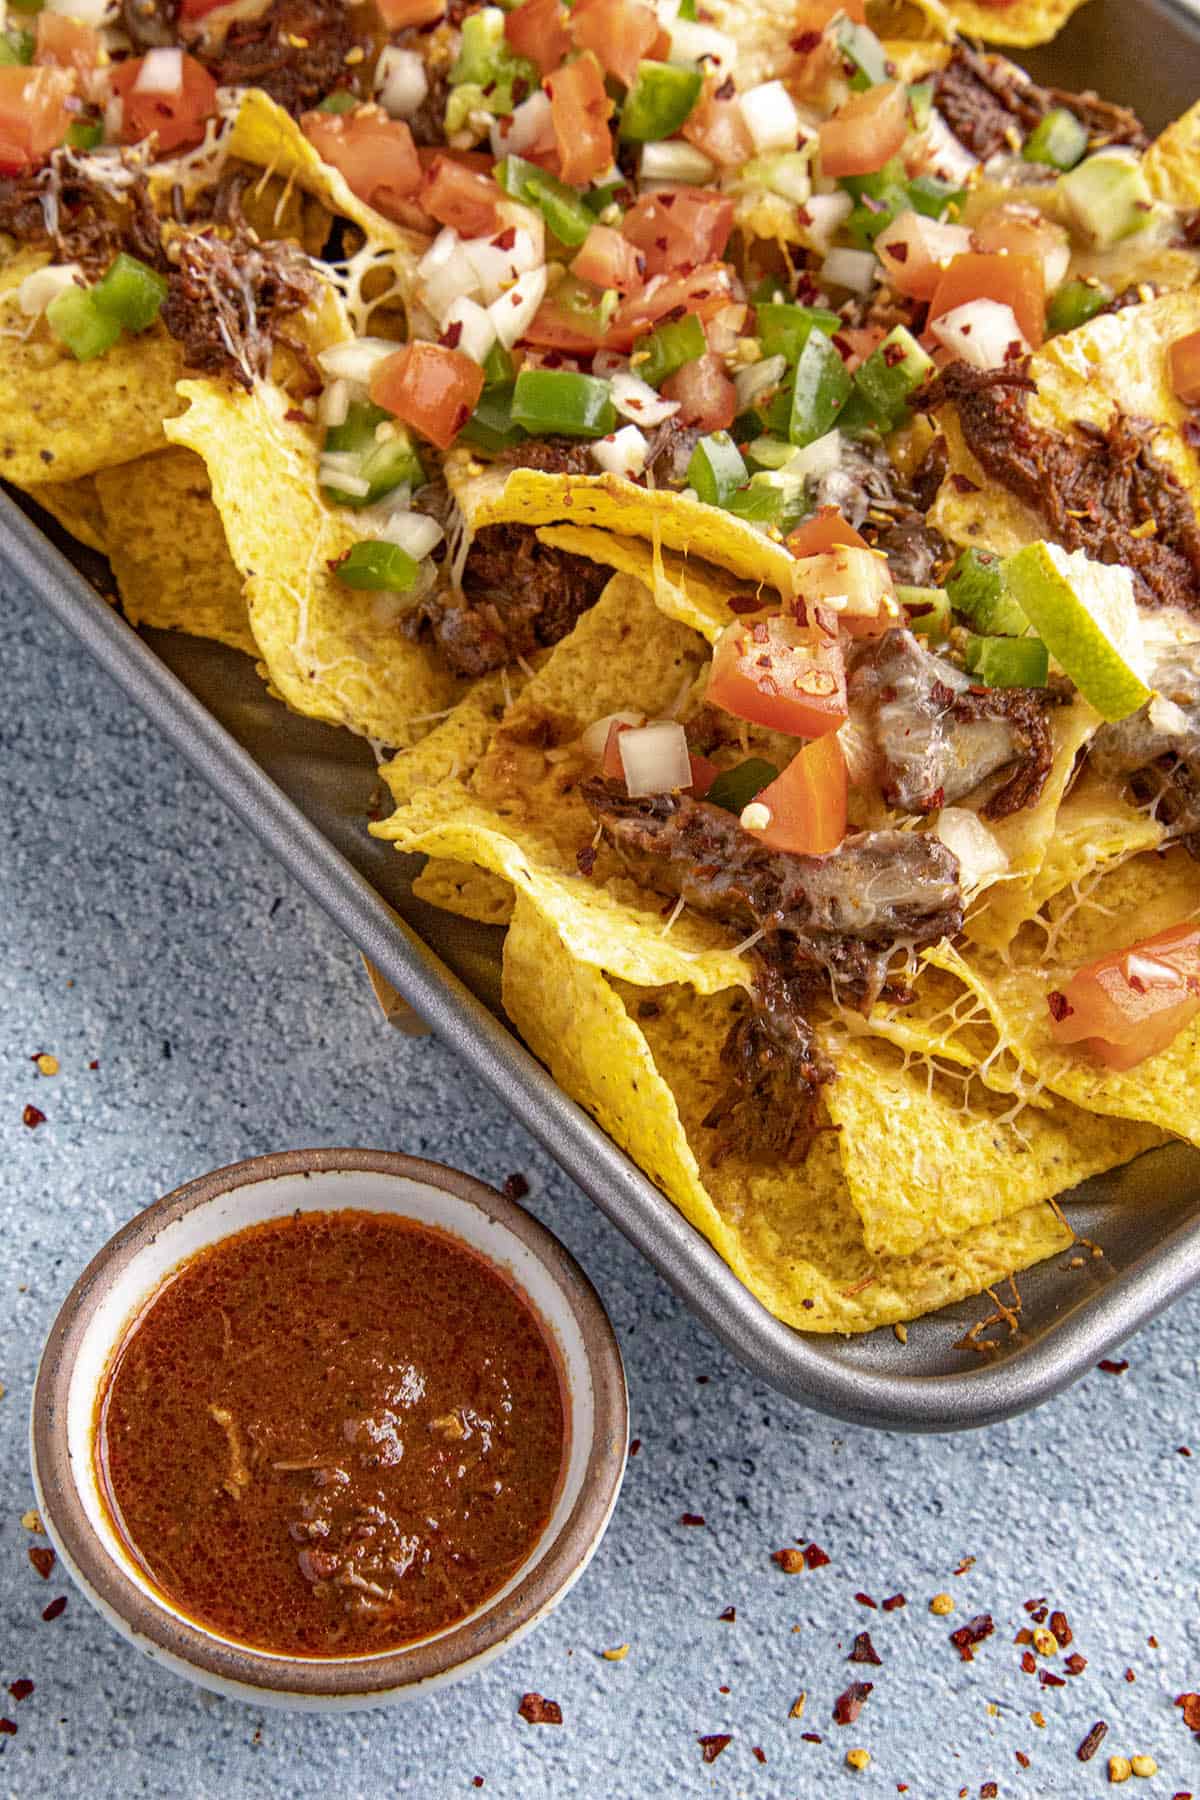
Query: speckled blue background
143	928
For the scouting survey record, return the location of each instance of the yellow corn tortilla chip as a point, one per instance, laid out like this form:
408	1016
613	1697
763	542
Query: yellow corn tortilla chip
647	1067
168	549
1139	260
1021	22
453	747
1172	163
1139	898
61	419
694	593
76	506
331	652
459	887
1118	360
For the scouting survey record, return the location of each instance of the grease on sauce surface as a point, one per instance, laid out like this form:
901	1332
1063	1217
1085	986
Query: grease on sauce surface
332	1434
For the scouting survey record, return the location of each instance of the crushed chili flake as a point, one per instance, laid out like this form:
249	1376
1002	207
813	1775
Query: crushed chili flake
989	1791
1183	1450
1113	1368
758	1753
95	1063
812	1737
1075	1664
729	1616
477	1781
724	1690
539	1711
972	1633
7	1728
1189	1704
864	1651
866	1600
33	1116
1092	1741
1153	1642
968	1562
712	1746
1029	1662
635	1446
1021	1758
55	1609
798	1705
893	1601
691	1518
42	1558
847	1706
515	1186
1032	1605
585	859
815	1557
789	1560
1129	1675
1024	1636
1061	1630
1048	1678
21	1688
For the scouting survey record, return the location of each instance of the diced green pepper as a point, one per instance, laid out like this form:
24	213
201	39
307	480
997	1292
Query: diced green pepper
667	348
891	375
769	452
933	197
499	370
716	469
757	504
376	564
82	134
1060	140
1075	303
561	206
560	402
928	611
864	54
687	11
977	591
599	199
341	101
859	419
383	463
871	216
783	330
735	788
490	426
821	389
1008	662
16	49
130	292
658	102
1107	197
77	321
920	103
481	46
486	71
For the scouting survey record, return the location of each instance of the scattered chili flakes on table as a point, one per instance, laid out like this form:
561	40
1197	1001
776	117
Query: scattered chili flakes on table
8	1728
1075	1664
972	1633
814	1557
812	1737
1189	1704
758	1753
42	1558
1112	1368
712	1746
866	1600
729	1616
55	1609
893	1601
789	1560
864	1651
21	1688
798	1704
515	1186
33	1116
634	1446
1029	1662
539	1711
1021	1758
847	1706
691	1518
1092	1741
967	1563
989	1790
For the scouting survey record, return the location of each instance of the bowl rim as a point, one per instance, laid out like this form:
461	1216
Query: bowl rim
168	1634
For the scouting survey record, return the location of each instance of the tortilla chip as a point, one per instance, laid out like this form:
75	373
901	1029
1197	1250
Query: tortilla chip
76	506
331	652
459	887
169	553
647	1068
1172	163
61	419
1116	360
1020	22
694	593
453	748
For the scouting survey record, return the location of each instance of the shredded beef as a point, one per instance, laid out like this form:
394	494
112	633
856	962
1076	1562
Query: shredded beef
775	1069
987	101
1157	749
1107	123
552	455
295	52
864	483
669	451
227	301
914	550
151	24
930	474
1093	488
518	595
80	220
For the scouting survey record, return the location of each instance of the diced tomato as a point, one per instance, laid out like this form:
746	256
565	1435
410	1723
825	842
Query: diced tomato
580	107
433	389
707	398
65	43
815	15
706	291
461	197
177	120
556	326
1015	280
396	14
609	260
777	673
33	115
704	773
856	342
679	227
1183	360
823	531
1024	231
1132	1003
619	32
717	127
375	154
866	130
914	251
807	803
538	29
191	10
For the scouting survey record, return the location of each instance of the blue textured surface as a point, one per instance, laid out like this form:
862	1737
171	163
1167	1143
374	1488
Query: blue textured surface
144	929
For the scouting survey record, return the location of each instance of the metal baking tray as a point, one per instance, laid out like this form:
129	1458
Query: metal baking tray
306	790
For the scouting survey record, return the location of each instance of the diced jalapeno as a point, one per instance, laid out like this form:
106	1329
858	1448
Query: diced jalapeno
658	102
783	330
757	504
821	389
1060	140
490	426
928	611
341	101
561	207
872	216
16	49
1008	662
376	564
920	103
77	321
1075	303
384	463
82	134
667	348
716	469
976	588
499	370
487	71
933	197
891	375
863	53
735	788
130	292
559	402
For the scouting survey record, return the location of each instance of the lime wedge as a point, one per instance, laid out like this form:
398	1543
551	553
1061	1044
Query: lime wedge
1086	615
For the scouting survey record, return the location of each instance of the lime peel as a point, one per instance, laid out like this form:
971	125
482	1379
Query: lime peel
1086	615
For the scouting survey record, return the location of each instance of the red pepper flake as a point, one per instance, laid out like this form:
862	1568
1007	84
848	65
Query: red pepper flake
504	240
1183	1450
1181	1797
898	253
691	1518
1113	1368
972	1633
42	1558
815	1557
585	859
789	1560
812	1737
1075	1664
1061	1630
33	1116
988	1791
893	1601
866	1600
55	1609
539	1711
515	1187
1060	1006
294	416
729	1616
21	1689
1031	1606
744	603
712	1746
758	1753
1021	1758
1024	1636
847	1706
635	1446
894	353
450	337
1092	1741
7	1728
1049	1679
803	44
724	1690
1153	1642
1130	1676
1190	1704
477	1781
864	1651
95	1063
1029	1662
962	484
968	1562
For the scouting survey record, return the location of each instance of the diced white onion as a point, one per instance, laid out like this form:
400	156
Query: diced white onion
725	328
492	267
595	738
476	333
622	452
334	404
981	859
819	458
756	378
857	270
945	155
523	126
356	359
341	480
785	172
416	533
696	46
822	214
609	362
635	399
401	84
655	758
940	243
512	314
44	285
771	117
445	273
982	332
527	251
1056	260
161	73
674	160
